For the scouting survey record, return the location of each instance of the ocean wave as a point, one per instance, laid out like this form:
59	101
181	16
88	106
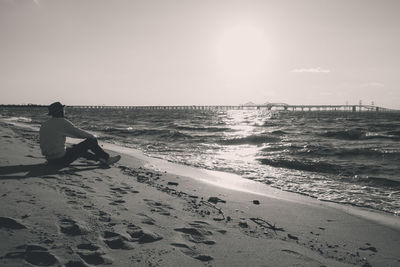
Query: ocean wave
278	132
18	119
354	119
373	135
340	152
282	147
376	181
395	133
273	148
153	133
135	132
357	134
249	140
204	129
176	135
269	123
339	169
354	134
305	165
367	153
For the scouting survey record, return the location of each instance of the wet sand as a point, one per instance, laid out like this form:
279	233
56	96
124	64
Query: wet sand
147	212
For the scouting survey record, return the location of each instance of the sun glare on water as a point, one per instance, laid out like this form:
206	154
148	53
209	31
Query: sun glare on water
242	54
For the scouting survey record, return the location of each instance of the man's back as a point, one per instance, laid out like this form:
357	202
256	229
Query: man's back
52	138
53	133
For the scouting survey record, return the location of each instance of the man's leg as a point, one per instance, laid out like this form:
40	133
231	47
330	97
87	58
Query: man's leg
81	150
90	156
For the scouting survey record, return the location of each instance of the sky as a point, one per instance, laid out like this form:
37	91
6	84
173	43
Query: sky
200	52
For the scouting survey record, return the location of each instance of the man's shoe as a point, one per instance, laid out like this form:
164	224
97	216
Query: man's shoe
110	160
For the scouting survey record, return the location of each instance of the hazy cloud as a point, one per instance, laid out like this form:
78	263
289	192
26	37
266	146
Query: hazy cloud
311	70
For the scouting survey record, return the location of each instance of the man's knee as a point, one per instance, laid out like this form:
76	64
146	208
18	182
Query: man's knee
91	141
85	144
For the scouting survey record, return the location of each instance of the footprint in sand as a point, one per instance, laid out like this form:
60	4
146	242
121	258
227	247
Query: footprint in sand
88	207
158	207
124	189
189	251
88	246
104	217
10	223
90	254
118	190
180	245
33	254
142	236
72	202
75	264
196	233
117	202
147	219
72	193
373	249
305	258
70	227
93	257
115	241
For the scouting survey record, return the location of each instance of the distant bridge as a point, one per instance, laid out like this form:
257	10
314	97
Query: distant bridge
267	106
276	106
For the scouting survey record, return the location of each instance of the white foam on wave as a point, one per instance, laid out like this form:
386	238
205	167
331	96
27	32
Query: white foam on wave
18	119
21	122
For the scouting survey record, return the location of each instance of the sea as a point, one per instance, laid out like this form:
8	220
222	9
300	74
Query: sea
351	158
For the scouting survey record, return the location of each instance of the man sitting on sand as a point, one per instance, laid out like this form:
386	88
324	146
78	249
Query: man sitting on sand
53	133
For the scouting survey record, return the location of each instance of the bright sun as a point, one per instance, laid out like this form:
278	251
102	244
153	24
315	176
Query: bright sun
242	54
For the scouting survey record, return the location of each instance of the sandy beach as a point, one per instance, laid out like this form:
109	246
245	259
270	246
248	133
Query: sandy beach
146	212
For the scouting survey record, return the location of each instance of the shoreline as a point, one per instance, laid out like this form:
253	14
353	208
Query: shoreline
147	212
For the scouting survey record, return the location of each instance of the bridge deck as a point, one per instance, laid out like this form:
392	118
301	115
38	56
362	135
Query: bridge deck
243	107
270	106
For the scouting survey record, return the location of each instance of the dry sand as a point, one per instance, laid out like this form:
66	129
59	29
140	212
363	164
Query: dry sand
146	212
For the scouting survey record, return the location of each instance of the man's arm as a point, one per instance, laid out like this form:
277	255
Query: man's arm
73	131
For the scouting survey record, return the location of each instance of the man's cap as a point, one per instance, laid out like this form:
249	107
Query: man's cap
55	108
